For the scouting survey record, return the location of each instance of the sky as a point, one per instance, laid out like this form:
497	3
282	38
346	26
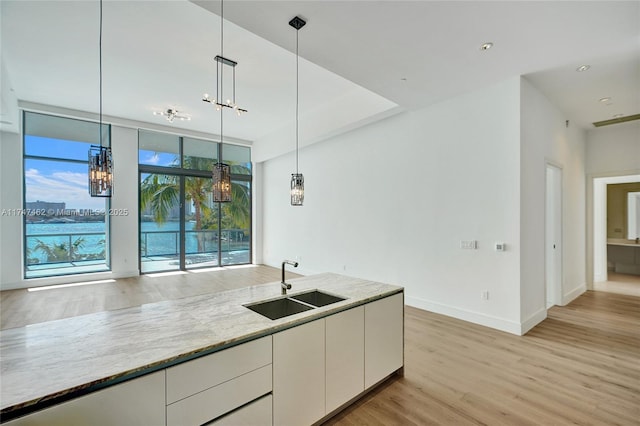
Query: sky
58	181
62	181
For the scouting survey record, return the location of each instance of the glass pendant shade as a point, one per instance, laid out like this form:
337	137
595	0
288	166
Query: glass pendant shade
100	171
297	189
221	183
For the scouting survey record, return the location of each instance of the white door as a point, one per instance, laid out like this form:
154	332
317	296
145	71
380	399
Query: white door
553	235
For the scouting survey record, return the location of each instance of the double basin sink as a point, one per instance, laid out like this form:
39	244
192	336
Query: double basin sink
294	304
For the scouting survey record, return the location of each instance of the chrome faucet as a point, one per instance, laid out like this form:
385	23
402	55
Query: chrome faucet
283	284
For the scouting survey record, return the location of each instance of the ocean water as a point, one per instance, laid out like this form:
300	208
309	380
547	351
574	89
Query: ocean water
156	240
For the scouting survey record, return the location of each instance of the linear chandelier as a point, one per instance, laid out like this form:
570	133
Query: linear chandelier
219	101
297	178
100	158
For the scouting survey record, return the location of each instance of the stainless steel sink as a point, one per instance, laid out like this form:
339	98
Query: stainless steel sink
278	308
317	298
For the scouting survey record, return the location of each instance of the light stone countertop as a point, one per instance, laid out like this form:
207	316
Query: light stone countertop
622	242
43	362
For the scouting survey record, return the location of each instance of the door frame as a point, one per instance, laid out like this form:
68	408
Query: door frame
554	224
597	221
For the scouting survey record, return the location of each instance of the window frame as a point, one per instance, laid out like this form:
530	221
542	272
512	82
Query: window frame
107	201
183	173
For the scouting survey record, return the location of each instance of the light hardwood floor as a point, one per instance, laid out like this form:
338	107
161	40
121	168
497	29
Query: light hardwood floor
620	283
579	366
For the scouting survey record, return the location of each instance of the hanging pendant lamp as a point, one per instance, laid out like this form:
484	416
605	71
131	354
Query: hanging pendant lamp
221	172
297	178
100	158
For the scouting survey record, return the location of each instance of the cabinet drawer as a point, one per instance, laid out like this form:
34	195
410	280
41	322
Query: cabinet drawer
258	413
138	402
218	400
203	373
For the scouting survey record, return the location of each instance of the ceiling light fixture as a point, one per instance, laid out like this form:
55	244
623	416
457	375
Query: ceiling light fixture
219	102
605	100
100	158
222	172
583	68
486	46
172	113
297	178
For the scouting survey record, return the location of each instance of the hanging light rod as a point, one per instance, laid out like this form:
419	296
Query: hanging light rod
221	173
100	159
297	178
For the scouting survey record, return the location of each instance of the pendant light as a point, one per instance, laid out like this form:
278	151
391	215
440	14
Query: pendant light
221	171
100	158
297	179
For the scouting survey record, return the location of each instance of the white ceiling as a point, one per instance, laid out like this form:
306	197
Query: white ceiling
362	60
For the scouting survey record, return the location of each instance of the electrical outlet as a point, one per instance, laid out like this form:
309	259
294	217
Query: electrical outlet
485	295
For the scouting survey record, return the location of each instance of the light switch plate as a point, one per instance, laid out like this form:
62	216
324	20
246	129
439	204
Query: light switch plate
469	245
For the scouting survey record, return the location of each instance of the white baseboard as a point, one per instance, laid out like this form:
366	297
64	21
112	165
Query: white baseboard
573	294
532	321
465	315
67	279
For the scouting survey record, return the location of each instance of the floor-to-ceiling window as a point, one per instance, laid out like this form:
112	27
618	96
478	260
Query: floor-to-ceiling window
65	230
180	225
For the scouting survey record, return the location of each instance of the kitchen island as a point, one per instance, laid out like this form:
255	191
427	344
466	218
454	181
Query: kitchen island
51	365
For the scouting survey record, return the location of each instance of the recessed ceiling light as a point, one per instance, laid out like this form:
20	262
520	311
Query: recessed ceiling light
582	68
486	46
605	100
618	115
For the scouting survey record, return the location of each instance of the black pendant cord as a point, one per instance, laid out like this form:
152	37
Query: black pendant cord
220	99
100	73
297	97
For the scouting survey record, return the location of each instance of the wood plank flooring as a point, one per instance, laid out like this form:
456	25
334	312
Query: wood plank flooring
579	366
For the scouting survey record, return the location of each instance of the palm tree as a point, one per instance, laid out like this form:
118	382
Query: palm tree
60	252
160	193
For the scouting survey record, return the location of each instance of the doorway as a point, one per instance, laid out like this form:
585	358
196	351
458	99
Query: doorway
616	255
553	236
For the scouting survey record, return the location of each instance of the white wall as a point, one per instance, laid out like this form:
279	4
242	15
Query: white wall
10	196
545	138
392	201
124	229
614	150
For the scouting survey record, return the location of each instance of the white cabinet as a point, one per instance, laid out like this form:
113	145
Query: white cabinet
257	413
383	338
139	401
201	390
344	357
299	375
321	365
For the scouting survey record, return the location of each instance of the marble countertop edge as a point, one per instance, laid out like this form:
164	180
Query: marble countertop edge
234	324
